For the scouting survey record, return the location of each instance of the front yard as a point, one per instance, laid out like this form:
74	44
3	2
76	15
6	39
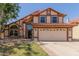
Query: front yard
22	49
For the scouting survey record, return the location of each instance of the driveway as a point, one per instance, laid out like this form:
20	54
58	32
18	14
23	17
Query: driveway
61	48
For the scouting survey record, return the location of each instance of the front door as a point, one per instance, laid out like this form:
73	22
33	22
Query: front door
29	31
29	34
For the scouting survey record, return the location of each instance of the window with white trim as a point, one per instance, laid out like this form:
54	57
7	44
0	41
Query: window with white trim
54	19
42	19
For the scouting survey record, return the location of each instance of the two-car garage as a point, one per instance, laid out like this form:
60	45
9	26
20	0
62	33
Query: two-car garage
53	34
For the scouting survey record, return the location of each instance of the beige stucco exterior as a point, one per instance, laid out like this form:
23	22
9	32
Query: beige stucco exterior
2	35
70	34
48	19
35	19
43	13
46	33
75	32
35	32
60	19
21	33
6	33
24	31
53	13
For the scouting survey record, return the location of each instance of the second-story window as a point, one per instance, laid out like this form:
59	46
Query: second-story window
42	19
54	19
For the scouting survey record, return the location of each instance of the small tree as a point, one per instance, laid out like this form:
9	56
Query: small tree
8	11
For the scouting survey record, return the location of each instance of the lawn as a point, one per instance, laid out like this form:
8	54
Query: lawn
22	49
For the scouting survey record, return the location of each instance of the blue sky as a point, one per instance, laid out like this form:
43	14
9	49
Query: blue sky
70	9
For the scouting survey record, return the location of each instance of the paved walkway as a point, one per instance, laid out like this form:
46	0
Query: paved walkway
2	41
61	48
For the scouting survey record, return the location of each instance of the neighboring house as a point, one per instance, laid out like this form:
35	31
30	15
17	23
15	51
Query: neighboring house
45	25
75	29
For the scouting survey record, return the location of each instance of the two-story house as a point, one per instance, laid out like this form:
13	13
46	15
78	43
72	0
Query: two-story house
41	25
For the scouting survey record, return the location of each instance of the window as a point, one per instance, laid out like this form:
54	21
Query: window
43	19
13	33
54	19
29	27
14	30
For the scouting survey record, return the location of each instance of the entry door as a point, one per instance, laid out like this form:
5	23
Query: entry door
29	31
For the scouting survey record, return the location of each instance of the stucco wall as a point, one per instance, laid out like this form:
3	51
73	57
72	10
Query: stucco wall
48	19
6	33
35	19
44	13
21	34
35	32
2	35
75	33
70	34
60	19
24	31
53	13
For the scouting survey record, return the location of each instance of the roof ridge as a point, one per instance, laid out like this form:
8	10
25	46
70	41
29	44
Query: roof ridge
37	12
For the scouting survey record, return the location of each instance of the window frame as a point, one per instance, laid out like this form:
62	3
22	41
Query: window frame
52	20
40	19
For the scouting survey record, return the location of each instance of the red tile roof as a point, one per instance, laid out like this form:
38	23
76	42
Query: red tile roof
53	25
74	21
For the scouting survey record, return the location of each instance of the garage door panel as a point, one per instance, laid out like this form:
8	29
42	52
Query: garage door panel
52	35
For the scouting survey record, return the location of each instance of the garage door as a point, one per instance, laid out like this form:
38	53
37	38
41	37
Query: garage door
52	34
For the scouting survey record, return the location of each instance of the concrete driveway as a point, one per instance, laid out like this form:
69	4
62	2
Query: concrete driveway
61	48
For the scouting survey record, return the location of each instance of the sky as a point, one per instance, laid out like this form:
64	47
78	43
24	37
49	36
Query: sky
70	9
